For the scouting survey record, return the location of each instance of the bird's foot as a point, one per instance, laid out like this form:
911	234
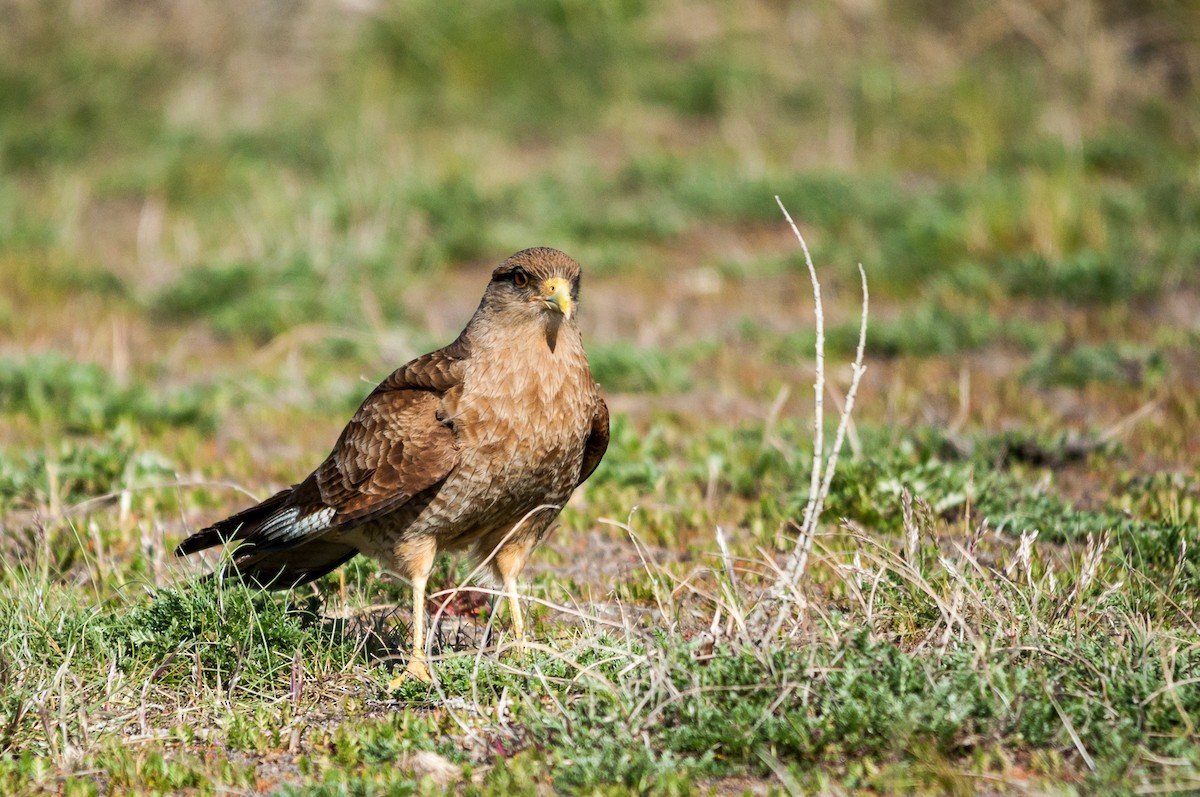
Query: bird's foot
415	671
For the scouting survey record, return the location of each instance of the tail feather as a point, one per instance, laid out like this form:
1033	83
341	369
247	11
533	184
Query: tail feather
291	567
283	548
241	526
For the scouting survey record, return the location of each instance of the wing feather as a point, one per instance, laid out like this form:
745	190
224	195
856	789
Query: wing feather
394	448
597	441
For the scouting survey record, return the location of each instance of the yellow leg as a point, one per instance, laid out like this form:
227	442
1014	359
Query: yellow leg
417	667
508	563
514	607
416	557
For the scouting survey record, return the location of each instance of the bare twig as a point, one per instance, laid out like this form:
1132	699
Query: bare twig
784	591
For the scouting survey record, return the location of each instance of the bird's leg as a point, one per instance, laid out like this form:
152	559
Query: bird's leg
514	607
417	667
507	564
417	558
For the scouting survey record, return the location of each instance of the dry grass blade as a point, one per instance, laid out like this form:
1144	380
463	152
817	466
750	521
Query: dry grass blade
783	594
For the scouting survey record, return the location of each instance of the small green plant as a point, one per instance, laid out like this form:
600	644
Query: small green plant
1082	278
928	329
84	398
78	470
624	368
1108	363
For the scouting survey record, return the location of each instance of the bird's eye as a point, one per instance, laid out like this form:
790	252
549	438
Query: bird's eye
520	278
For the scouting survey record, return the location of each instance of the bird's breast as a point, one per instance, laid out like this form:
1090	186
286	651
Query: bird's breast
521	420
525	402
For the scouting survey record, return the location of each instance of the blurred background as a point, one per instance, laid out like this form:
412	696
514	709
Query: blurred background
220	223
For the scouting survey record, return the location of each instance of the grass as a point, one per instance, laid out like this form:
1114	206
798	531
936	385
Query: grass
81	398
213	245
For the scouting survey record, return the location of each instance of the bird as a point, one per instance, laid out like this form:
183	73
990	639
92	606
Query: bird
472	448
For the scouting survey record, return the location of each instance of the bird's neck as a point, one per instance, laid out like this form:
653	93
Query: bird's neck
523	359
544	335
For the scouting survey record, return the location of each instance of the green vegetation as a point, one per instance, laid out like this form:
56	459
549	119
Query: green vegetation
81	398
220	226
77	471
1109	362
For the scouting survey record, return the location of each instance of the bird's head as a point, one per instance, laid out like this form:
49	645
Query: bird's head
539	283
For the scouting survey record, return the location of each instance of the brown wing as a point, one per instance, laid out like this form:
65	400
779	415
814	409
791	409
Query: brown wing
394	448
597	441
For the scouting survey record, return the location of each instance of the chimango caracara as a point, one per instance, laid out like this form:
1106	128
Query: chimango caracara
473	447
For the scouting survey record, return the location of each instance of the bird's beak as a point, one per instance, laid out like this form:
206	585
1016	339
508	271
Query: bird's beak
556	295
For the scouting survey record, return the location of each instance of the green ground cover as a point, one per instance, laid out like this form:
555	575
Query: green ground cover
220	226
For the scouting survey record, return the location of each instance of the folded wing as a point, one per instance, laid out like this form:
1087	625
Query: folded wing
394	449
